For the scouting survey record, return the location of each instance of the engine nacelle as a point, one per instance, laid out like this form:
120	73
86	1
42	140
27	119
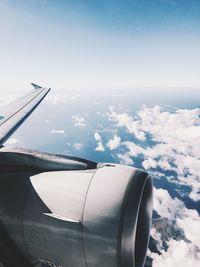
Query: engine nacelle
79	218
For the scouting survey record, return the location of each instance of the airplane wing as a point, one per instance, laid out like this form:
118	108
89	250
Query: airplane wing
14	114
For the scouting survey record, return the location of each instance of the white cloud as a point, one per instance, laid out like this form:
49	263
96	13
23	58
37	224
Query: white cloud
165	206
175	210
134	150
100	147
125	159
158	237
78	146
189	221
164	164
175	142
48	121
7	99
12	141
149	163
79	121
97	136
132	125
179	252
57	99
114	143
53	131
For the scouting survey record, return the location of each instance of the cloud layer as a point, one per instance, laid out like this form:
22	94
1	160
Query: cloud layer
180	251
167	143
175	142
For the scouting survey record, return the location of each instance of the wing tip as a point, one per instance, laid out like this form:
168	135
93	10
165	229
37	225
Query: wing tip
36	86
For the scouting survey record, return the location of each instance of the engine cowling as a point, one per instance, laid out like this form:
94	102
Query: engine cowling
88	218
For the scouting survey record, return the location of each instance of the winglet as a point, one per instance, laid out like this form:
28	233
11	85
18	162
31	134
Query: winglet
36	86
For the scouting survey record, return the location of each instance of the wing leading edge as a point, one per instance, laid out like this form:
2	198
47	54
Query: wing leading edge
14	114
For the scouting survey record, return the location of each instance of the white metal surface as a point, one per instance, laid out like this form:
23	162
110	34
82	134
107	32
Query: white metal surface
63	192
102	214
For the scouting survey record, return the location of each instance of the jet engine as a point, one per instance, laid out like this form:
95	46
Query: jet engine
69	212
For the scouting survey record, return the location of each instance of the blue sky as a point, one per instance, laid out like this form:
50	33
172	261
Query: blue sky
102	44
